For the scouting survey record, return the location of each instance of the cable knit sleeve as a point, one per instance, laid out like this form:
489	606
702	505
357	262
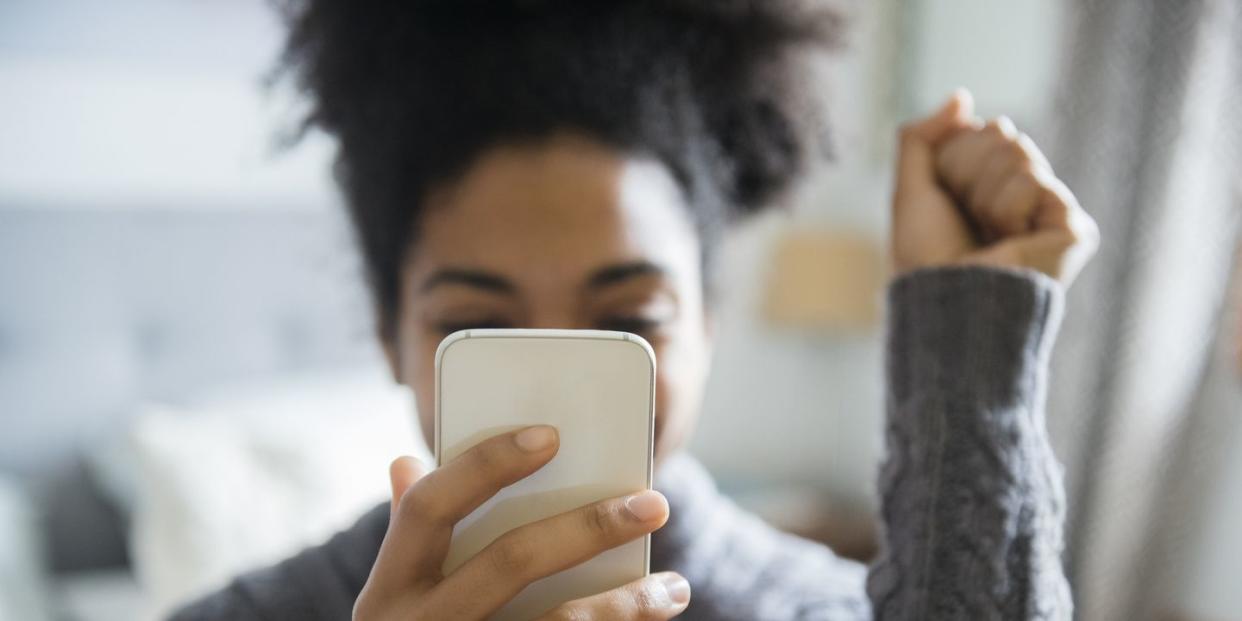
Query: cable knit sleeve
972	496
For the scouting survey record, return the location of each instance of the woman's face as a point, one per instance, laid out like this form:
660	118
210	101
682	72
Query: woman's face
561	234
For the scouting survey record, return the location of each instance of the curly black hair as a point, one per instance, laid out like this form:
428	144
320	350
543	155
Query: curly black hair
414	90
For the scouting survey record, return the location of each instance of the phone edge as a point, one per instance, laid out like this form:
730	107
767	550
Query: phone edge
628	337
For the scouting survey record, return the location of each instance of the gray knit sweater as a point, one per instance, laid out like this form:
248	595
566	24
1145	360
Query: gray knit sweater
971	493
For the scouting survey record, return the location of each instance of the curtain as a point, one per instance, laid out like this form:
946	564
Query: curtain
1146	131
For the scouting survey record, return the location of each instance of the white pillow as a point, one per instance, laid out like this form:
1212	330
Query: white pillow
23	578
249	477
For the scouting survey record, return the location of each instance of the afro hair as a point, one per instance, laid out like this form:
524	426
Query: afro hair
415	90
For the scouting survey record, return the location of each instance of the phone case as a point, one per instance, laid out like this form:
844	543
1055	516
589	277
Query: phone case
598	389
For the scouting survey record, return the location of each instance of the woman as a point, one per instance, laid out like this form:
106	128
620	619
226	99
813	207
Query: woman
571	164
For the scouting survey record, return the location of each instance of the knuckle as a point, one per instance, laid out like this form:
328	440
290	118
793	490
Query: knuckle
1003	126
1083	231
1055	202
648	600
489	459
1007	158
363	609
510	556
1018	156
418	506
599	519
413	504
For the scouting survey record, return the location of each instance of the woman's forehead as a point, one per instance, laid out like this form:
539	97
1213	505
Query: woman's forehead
560	208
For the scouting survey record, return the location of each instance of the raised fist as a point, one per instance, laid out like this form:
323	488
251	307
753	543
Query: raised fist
970	192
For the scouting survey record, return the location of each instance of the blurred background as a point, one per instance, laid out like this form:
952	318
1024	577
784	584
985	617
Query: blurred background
189	386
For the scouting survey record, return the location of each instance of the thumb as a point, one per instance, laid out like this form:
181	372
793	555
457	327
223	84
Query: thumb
956	112
915	160
1044	251
404	472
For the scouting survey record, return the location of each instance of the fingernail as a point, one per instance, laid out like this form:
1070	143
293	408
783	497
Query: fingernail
646	505
678	589
533	439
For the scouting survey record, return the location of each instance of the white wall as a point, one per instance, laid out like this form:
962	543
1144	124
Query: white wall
147	103
1007	53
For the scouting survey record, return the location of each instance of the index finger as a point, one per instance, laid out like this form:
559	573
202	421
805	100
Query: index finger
421	528
527	553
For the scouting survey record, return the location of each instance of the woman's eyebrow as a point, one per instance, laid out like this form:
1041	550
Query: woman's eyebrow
477	279
613	274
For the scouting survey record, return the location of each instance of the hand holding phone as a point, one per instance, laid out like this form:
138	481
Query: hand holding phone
424	572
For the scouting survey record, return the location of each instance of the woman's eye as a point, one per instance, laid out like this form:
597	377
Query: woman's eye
635	325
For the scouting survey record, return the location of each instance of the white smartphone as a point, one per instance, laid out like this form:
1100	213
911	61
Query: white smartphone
598	389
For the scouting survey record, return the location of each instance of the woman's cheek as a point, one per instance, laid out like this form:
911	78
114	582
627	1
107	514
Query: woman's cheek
679	382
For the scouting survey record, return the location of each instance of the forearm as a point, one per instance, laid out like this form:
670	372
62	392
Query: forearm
972	496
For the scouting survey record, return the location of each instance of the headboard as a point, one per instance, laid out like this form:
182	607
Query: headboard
102	310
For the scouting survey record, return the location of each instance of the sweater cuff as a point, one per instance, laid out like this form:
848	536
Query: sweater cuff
979	334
